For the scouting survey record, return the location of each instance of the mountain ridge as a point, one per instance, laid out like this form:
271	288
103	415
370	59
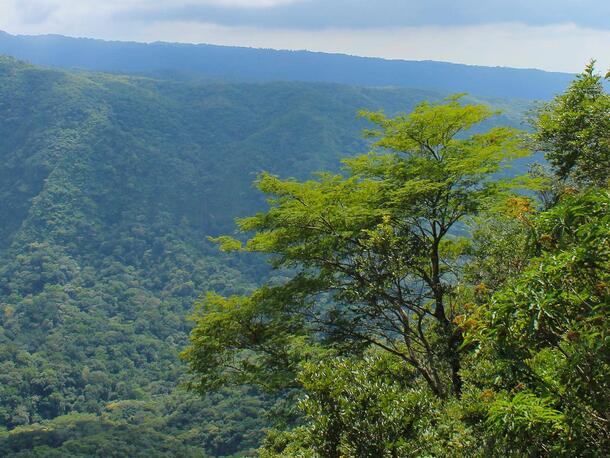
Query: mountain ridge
205	61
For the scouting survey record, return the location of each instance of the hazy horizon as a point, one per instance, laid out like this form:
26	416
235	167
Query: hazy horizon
78	37
562	35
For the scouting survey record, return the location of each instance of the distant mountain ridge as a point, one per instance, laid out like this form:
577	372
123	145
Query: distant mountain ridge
189	61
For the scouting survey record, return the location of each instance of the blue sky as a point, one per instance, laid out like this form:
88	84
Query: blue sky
549	34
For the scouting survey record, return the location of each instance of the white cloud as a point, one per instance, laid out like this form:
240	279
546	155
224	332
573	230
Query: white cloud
80	16
245	3
93	7
562	47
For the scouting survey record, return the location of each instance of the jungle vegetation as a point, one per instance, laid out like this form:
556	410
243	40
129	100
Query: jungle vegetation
430	305
109	186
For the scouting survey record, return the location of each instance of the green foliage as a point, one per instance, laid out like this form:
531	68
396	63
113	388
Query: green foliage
525	425
109	188
418	341
273	338
372	405
537	384
499	246
548	329
573	130
376	241
81	435
360	408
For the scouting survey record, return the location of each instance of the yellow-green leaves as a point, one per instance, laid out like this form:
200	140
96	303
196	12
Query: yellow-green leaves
372	254
429	127
227	243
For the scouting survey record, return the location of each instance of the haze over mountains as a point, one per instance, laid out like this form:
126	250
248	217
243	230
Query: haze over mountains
418	301
186	61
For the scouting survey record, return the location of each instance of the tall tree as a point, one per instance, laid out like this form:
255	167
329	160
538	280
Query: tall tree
572	130
547	337
371	256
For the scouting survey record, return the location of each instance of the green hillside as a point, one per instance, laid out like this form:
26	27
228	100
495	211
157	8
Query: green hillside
109	186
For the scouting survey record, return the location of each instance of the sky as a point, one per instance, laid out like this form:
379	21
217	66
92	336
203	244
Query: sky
556	35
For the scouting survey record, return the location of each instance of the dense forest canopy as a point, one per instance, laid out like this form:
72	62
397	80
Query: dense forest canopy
429	307
109	186
436	296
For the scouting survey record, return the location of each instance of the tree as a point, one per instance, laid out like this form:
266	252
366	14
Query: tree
548	337
371	256
366	407
572	131
541	364
499	246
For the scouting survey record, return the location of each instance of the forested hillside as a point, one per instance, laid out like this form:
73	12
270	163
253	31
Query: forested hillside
188	61
109	186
